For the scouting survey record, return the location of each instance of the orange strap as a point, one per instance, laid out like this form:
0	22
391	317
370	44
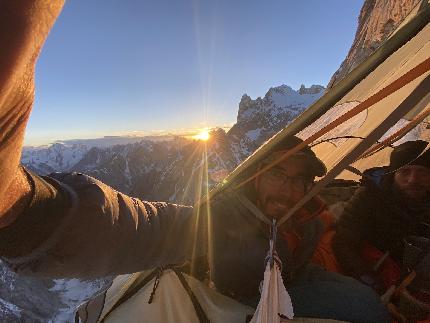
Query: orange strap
408	77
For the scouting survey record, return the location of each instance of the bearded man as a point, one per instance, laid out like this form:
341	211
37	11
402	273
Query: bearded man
240	224
385	227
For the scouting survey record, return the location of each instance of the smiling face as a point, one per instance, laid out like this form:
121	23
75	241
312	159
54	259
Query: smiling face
413	181
281	187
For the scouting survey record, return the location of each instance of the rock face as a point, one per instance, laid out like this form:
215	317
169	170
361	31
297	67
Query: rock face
377	20
260	119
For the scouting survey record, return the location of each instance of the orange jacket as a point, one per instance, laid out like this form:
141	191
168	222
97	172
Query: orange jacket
323	254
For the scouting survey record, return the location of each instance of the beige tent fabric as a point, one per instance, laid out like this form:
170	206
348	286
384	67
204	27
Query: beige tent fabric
407	57
119	287
358	147
380	116
171	303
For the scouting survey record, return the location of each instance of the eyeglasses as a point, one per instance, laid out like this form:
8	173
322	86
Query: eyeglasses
277	177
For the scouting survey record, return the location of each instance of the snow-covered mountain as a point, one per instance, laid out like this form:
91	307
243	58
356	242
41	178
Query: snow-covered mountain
260	119
63	155
32	300
53	158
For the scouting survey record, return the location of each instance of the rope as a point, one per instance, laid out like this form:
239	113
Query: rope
156	282
272	256
130	293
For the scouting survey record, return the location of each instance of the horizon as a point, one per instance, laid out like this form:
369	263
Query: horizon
184	133
158	67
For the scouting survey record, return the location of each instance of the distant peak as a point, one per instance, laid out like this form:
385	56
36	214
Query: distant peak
314	89
282	89
245	98
245	101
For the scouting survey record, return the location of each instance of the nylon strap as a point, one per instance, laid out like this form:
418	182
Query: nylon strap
252	208
197	307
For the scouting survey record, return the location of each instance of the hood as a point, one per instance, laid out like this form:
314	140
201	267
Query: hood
382	177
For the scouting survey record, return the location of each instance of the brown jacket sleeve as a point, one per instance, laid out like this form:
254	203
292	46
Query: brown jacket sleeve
24	25
76	226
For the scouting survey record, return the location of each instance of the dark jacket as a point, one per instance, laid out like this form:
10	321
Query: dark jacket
76	226
376	215
239	246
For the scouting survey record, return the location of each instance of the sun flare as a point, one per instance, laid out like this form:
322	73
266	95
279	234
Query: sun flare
202	135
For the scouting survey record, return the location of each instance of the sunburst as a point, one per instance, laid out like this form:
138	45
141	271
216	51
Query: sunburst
202	135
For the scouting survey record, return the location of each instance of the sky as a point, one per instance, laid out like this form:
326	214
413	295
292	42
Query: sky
145	67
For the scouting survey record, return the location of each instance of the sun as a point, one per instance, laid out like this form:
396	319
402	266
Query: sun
202	135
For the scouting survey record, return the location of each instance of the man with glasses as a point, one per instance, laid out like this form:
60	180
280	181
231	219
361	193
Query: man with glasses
240	223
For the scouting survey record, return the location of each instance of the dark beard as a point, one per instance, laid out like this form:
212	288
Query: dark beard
411	202
272	203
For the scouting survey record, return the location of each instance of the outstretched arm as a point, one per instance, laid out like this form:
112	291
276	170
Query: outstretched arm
70	225
24	25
